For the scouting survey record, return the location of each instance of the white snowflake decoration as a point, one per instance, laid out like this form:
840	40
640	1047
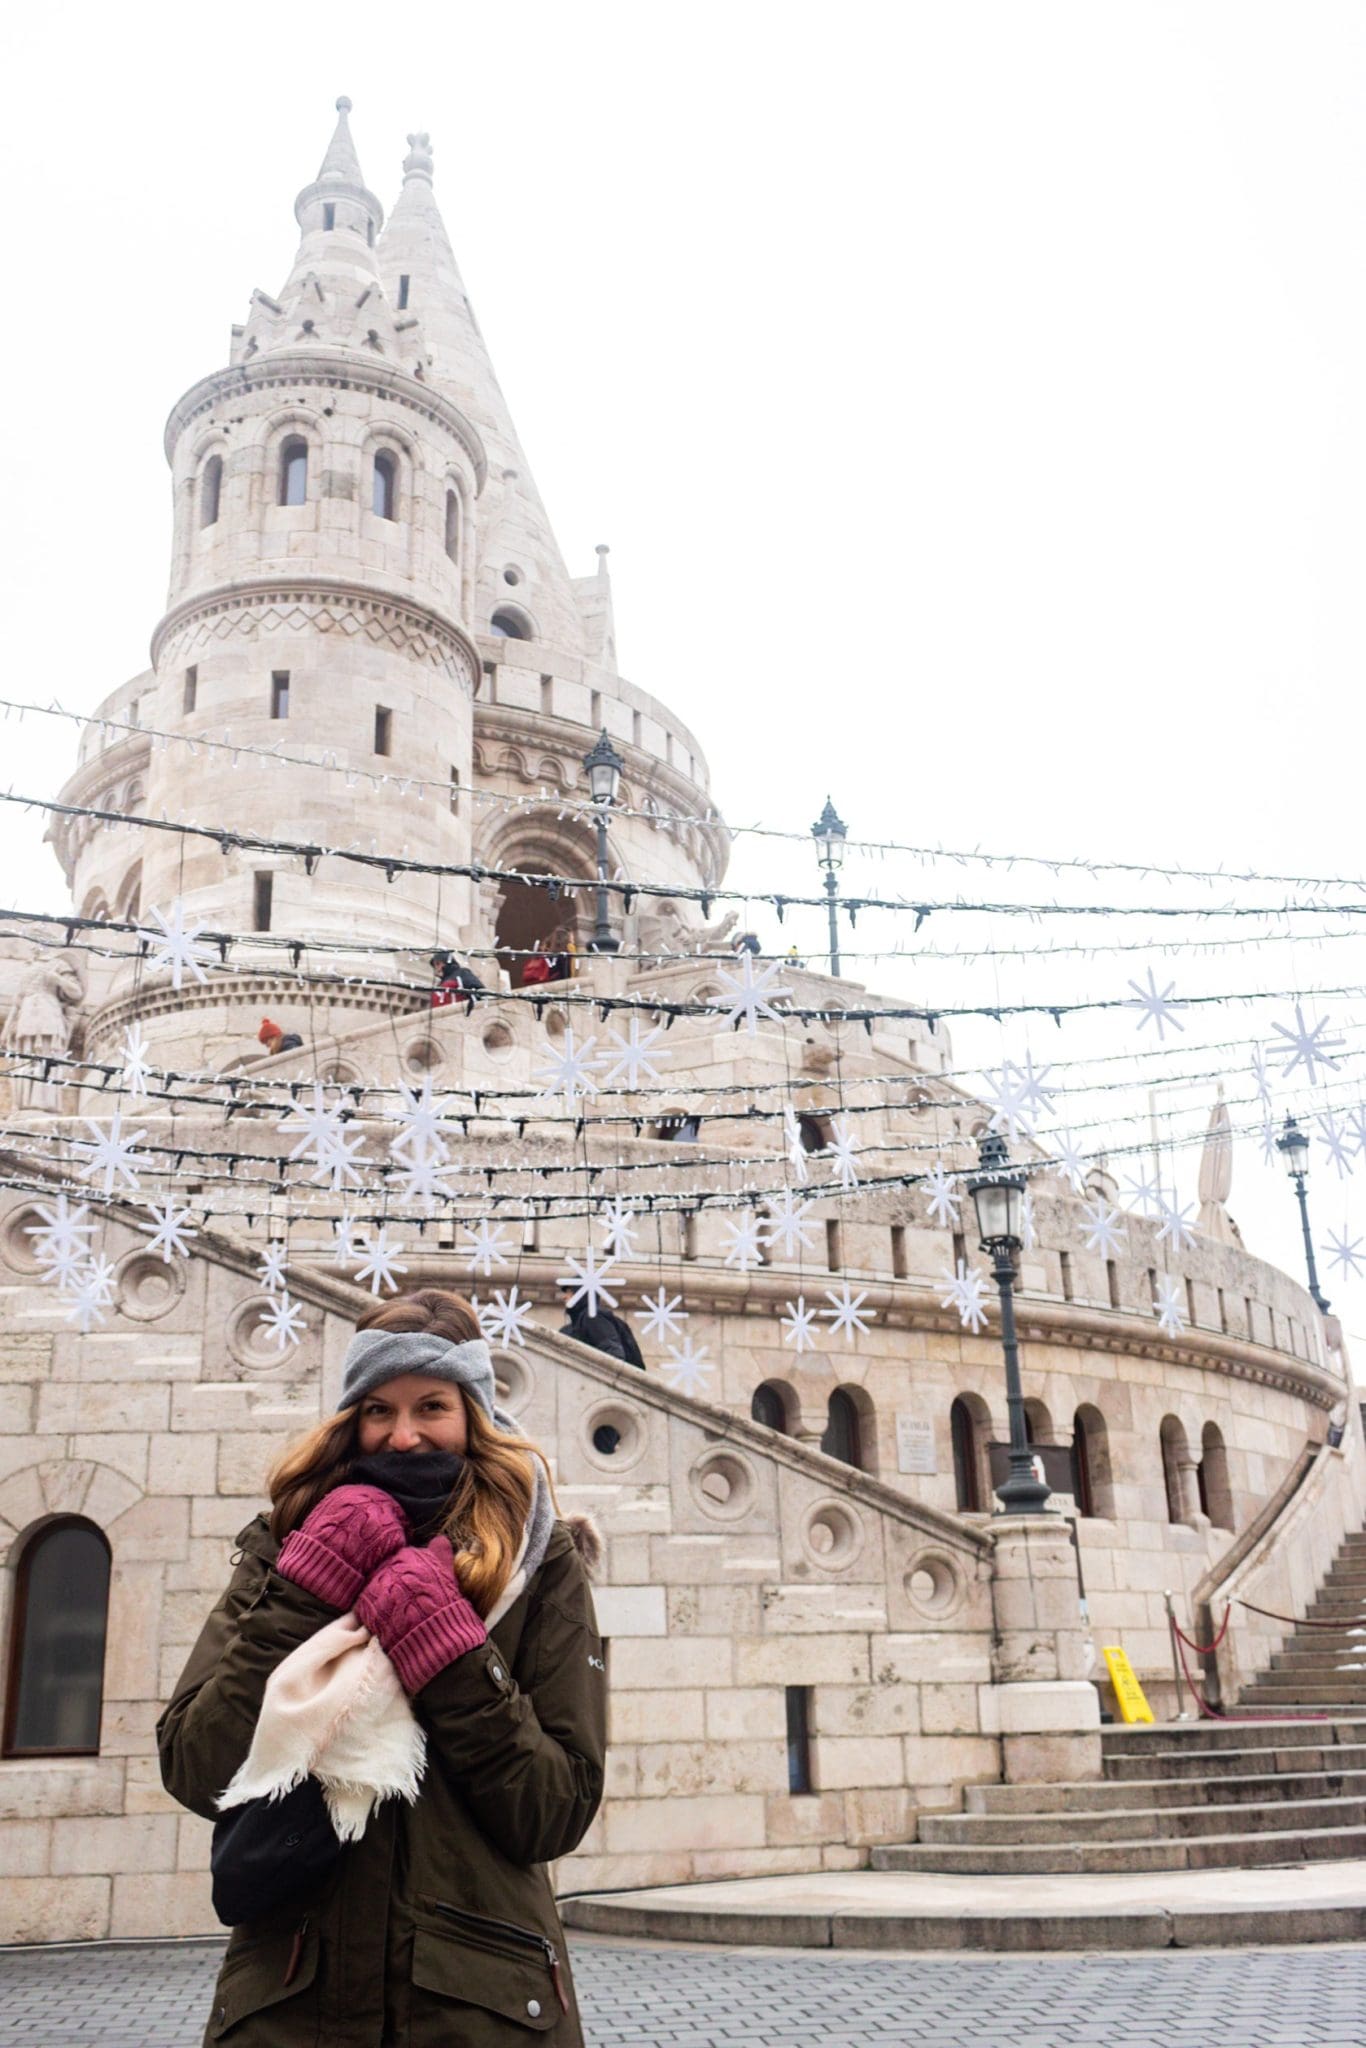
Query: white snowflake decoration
173	1230
114	1156
619	1225
798	1324
1156	1004
1356	1126
1072	1163
1104	1229
1167	1306
1175	1225
320	1123
282	1318
64	1262
503	1319
570	1070
1145	1194
590	1272
792	1139
61	1227
745	1249
1035	1098
941	1196
965	1290
630	1064
1260	1076
843	1152
1029	1235
424	1180
1268	1135
344	1237
748	993
485	1247
788	1225
688	1367
662	1317
338	1166
380	1261
175	947
1312	1047
847	1316
1007	1094
1345	1251
1337	1142
135	1072
419	1118
271	1271
93	1294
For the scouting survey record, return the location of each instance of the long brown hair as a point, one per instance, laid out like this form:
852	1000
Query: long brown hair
493	1495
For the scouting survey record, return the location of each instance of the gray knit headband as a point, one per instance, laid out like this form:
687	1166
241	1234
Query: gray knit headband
374	1356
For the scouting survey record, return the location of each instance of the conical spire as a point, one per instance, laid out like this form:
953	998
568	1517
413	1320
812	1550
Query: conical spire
423	283
341	160
333	296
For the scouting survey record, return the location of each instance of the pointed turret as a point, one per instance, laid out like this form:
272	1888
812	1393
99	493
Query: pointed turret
333	296
522	581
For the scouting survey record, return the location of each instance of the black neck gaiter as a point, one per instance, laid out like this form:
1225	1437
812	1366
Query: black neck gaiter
422	1483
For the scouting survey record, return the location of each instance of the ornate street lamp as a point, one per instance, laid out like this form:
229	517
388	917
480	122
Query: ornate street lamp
998	1196
1293	1146
830	833
602	764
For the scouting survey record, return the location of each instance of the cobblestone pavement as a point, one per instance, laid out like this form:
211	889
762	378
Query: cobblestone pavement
638	1996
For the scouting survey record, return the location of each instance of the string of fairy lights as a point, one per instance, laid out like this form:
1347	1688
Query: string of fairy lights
607	1130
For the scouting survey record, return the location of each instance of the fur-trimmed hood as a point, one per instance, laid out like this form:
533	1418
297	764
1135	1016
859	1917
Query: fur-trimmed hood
587	1540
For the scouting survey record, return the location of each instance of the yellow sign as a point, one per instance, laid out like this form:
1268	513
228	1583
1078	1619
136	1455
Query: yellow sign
1133	1706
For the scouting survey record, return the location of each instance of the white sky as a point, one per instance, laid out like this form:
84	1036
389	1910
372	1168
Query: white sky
971	396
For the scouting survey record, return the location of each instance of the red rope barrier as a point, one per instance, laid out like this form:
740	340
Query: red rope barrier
1207	1712
1355	1621
1204	1649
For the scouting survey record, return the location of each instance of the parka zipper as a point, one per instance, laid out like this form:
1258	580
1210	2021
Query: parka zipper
291	1969
515	1933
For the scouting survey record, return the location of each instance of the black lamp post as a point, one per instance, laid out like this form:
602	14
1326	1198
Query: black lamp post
829	833
998	1196
1293	1146
602	764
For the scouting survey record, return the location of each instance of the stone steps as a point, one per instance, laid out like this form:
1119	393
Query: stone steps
1242	1850
1143	1823
1109	1795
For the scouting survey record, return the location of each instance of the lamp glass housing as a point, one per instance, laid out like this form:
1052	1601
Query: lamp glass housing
830	833
1293	1147
1000	1209
603	766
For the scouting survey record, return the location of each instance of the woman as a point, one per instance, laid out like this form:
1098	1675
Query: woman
436	1927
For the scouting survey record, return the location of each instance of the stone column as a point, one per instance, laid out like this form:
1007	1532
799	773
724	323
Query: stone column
1188	1486
1045	1711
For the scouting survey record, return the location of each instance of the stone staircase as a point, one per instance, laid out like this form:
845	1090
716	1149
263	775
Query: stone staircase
1237	1794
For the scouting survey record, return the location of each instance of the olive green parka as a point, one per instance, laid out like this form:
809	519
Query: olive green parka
438	1929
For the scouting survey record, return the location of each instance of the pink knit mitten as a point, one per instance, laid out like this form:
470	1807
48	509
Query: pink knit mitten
352	1530
414	1605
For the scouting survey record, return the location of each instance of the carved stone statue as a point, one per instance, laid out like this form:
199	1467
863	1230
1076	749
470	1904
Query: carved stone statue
662	931
50	992
1216	1177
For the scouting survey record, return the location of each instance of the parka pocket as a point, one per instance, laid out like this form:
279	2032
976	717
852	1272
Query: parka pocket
506	1972
264	1971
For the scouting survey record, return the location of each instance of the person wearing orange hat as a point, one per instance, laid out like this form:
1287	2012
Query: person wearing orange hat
275	1040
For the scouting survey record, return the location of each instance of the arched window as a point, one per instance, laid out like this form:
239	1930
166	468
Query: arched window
769	1404
210	491
453	525
1040	1423
56	1664
1176	1463
966	1427
1091	1487
843	1437
294	471
1216	1495
508	623
384	491
814	1131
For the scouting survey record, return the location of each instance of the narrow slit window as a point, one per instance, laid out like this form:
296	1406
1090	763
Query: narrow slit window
191	689
455	791
898	1251
834	1248
263	889
798	1739
688	1235
329	216
1112	1281
595	709
403	293
1152	1285
384	729
1065	1269
1251	1319
294	471
1223	1313
452	523
385	494
210	491
960	1250
547	696
1190	1301
279	693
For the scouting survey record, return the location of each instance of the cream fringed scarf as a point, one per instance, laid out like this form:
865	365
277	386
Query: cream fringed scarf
334	1710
